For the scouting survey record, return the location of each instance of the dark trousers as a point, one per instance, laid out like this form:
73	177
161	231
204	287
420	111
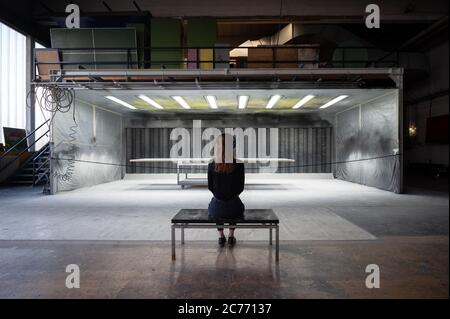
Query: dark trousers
222	210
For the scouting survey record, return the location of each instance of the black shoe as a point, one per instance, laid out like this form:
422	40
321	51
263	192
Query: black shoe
231	241
222	241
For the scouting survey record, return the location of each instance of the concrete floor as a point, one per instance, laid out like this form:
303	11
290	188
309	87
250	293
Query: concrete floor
118	234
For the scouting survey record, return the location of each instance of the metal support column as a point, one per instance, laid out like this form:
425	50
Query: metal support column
30	74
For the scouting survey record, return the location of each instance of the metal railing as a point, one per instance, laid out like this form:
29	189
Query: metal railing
193	57
26	149
37	177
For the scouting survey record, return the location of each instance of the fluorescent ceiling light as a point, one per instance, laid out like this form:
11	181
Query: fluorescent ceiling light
242	101
119	101
334	101
181	101
211	101
273	100
150	101
303	101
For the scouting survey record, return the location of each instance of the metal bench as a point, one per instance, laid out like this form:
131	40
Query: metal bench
253	218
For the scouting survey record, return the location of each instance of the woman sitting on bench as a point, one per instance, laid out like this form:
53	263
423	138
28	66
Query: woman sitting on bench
226	182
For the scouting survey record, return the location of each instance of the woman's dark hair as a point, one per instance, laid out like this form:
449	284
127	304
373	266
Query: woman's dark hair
220	166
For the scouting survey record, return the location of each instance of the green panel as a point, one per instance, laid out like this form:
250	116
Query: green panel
74	39
118	40
350	57
71	38
95	38
166	32
201	32
78	57
140	38
114	38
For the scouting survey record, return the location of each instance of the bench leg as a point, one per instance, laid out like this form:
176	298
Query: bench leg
270	234
173	242
277	243
182	235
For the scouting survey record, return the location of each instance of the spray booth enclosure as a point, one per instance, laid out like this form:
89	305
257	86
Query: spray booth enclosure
357	140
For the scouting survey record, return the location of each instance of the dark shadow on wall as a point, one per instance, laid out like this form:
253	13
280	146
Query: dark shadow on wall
373	144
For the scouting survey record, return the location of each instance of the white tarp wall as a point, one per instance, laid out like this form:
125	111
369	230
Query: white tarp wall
370	131
80	146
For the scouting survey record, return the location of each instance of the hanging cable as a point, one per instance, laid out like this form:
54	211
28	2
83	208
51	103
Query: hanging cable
70	168
53	99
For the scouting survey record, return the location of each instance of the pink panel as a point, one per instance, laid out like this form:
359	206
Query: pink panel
192	56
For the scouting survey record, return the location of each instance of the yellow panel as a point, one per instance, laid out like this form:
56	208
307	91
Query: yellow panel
206	55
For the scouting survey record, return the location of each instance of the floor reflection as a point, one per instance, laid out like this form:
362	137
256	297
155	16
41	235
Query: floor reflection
232	273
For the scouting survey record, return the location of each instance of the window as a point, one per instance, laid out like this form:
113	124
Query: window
12	79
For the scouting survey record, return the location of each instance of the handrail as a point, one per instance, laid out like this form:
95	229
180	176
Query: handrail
18	155
297	46
38	169
40	176
214	61
42	165
146	60
23	139
41	151
44	149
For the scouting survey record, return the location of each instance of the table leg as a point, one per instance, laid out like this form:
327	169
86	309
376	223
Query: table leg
277	243
270	234
182	234
173	242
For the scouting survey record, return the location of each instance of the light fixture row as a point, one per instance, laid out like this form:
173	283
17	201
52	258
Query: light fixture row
212	101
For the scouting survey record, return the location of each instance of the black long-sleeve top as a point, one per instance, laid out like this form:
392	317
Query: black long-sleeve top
226	186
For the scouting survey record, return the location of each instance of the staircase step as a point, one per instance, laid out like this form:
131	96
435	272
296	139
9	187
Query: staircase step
38	160
36	172
21	182
31	167
37	167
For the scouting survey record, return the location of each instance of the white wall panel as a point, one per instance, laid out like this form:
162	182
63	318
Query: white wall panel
12	79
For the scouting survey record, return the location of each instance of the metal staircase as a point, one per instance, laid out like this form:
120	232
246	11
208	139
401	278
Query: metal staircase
35	171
